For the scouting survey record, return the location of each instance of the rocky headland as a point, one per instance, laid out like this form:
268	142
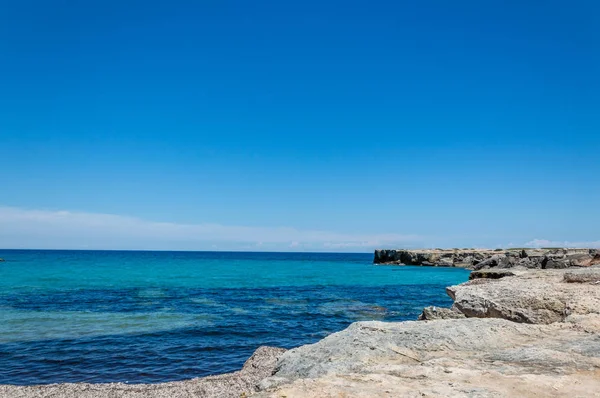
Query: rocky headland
486	258
513	331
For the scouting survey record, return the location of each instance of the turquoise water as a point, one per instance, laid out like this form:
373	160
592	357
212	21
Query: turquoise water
102	316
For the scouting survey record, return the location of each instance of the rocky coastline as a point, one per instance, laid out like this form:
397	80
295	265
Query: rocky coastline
486	258
526	324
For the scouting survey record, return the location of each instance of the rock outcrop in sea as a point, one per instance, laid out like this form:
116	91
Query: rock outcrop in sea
485	258
518	331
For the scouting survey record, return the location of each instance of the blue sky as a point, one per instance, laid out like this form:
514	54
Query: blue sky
270	125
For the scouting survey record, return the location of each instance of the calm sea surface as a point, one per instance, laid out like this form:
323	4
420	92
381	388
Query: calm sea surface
146	317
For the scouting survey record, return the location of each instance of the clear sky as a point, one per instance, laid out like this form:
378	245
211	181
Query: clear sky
308	125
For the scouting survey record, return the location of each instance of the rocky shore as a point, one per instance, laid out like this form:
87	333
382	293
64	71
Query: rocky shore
513	331
533	333
486	258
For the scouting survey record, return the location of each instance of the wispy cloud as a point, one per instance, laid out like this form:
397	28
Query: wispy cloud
537	243
26	228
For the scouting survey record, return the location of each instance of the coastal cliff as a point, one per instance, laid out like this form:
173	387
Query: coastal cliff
518	332
485	258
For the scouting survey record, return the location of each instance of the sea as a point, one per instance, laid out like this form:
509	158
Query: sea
150	316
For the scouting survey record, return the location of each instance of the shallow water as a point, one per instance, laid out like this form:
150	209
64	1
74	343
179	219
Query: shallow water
145	317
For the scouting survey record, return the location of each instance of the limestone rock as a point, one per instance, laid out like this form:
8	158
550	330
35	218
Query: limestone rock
433	313
540	296
490	262
484	258
490	274
552	348
457	358
583	276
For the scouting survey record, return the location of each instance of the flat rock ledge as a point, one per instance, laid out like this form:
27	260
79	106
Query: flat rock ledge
535	333
484	258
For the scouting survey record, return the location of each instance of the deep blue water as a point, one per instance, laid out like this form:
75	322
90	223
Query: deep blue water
145	317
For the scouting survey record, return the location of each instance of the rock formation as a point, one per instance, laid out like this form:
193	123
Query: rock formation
531	334
484	258
541	297
432	313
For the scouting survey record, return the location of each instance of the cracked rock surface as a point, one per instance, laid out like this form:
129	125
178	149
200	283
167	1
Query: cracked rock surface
533	334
